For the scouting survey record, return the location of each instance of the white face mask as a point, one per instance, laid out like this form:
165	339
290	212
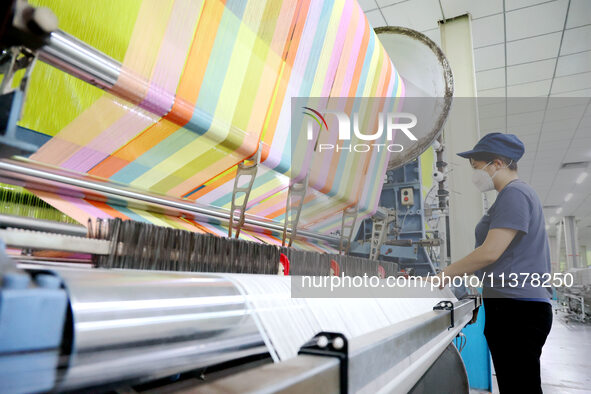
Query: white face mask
482	180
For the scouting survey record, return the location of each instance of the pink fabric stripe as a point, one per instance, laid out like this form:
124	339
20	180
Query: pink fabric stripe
93	211
338	48
353	56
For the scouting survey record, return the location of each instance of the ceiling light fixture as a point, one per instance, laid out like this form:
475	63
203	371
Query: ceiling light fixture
558	211
581	178
552	220
568	196
574	164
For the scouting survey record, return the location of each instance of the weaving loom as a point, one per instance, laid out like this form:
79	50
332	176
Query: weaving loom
190	158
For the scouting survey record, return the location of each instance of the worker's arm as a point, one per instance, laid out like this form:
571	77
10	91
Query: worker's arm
496	242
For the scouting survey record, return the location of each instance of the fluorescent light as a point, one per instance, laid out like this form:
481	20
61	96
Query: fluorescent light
568	196
558	211
581	178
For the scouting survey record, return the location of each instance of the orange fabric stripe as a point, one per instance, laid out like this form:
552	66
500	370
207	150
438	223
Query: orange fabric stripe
186	97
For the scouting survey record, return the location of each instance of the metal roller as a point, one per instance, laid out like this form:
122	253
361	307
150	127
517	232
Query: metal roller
132	324
37	176
79	59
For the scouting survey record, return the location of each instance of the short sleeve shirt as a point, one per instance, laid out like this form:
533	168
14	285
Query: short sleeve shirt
517	207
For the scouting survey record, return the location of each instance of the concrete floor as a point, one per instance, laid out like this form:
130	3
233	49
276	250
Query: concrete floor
566	358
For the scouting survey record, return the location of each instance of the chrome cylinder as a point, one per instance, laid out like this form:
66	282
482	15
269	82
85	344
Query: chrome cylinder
120	308
13	221
79	59
136	324
33	175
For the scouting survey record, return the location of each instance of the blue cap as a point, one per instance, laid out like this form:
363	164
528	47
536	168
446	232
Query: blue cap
506	145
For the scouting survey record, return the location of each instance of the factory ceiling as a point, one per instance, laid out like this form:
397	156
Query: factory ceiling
531	49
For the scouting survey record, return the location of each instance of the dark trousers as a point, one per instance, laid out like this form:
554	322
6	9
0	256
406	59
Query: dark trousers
515	331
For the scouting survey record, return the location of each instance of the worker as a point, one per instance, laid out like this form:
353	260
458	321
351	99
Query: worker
511	254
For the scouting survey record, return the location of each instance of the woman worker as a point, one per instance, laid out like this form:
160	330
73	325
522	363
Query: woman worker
511	243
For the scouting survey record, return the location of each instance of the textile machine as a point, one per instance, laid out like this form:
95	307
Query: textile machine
189	298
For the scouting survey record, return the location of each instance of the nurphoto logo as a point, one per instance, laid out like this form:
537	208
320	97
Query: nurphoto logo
402	121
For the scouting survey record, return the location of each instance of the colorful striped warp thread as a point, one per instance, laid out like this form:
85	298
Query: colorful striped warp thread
221	76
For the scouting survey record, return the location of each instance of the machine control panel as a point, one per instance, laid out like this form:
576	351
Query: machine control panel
407	196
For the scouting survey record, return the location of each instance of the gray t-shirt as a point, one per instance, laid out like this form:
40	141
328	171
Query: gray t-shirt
517	207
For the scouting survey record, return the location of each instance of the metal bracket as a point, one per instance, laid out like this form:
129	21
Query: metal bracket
347	228
12	60
297	191
477	302
246	168
12	100
446	306
331	344
379	230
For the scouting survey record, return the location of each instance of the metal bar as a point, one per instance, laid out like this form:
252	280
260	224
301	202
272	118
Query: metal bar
12	221
37	176
302	374
41	240
79	59
374	355
371	359
246	169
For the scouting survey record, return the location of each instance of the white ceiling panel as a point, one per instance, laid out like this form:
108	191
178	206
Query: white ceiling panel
533	89
491	101
375	18
540	19
488	31
492	124
528	132
478	9
498	92
584	134
571	110
579	13
490	79
530	72
576	40
564	103
525	119
489	57
575	93
385	3
525	105
492	109
420	15
553	139
583	142
572	82
579	154
514	4
574	64
533	49
367	5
